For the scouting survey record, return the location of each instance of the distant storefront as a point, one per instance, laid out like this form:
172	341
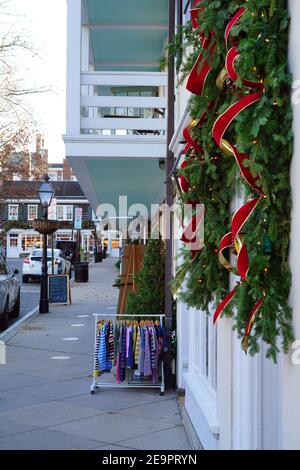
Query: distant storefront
20	243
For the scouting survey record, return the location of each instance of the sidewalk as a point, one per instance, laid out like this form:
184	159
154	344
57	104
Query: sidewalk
45	400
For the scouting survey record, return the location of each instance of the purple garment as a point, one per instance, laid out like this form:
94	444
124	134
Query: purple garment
118	371
127	340
147	362
123	354
142	352
130	362
154	370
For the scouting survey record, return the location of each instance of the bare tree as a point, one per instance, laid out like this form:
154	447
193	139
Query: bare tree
17	124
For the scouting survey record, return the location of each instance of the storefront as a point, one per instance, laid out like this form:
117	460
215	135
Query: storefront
21	242
112	241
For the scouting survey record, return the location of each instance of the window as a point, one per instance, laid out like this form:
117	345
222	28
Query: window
13	212
186	11
69	212
205	349
115	244
29	242
64	213
32	212
63	237
13	240
88	243
60	212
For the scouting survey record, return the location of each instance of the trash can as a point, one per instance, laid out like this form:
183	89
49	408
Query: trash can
81	272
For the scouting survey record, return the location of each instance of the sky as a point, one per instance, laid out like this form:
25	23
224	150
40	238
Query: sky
44	23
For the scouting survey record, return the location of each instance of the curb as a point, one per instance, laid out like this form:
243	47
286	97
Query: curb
16	327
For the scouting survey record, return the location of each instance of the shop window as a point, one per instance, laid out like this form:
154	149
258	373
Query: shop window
13	212
115	244
63	237
13	241
88	243
30	242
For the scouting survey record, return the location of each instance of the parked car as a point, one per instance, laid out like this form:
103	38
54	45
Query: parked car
9	294
32	265
68	248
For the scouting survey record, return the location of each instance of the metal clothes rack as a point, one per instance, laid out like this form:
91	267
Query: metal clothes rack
98	384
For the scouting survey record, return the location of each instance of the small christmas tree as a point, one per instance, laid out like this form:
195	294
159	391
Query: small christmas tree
150	282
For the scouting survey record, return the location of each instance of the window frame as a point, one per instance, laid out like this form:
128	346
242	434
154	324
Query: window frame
64	212
68	206
30	206
10	206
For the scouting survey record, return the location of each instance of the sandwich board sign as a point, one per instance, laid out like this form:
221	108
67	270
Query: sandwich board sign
59	289
78	218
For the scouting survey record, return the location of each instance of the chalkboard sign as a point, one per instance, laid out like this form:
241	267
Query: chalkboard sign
59	292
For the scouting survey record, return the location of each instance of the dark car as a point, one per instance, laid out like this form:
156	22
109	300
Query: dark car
68	249
9	294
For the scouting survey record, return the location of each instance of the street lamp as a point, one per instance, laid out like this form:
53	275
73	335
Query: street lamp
45	193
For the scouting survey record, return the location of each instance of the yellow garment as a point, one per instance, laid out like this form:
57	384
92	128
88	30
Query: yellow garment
137	347
134	337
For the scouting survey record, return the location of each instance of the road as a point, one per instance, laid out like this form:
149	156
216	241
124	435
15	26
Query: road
30	293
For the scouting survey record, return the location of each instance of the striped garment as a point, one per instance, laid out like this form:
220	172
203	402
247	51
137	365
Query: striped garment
134	336
123	354
137	346
152	332
147	361
105	364
111	342
116	341
96	352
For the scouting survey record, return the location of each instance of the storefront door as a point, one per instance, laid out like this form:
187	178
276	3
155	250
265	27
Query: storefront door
13	245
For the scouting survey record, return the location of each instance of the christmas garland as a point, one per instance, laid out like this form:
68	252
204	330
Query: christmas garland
231	41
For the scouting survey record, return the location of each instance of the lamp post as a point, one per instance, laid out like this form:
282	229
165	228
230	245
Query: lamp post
45	193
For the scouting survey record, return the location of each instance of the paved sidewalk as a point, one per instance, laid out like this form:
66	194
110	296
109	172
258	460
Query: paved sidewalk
45	400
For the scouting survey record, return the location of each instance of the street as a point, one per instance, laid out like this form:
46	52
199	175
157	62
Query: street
29	292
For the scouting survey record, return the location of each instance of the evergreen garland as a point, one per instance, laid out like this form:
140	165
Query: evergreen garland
150	282
264	131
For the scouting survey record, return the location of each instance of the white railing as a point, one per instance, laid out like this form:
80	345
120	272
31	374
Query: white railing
102	112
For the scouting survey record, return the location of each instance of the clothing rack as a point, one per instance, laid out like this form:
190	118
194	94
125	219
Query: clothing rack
96	384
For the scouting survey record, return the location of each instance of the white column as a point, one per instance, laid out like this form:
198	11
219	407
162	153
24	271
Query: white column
73	66
85	48
290	412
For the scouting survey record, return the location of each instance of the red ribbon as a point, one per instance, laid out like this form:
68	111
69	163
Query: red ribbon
195	84
232	22
224	304
221	125
252	317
